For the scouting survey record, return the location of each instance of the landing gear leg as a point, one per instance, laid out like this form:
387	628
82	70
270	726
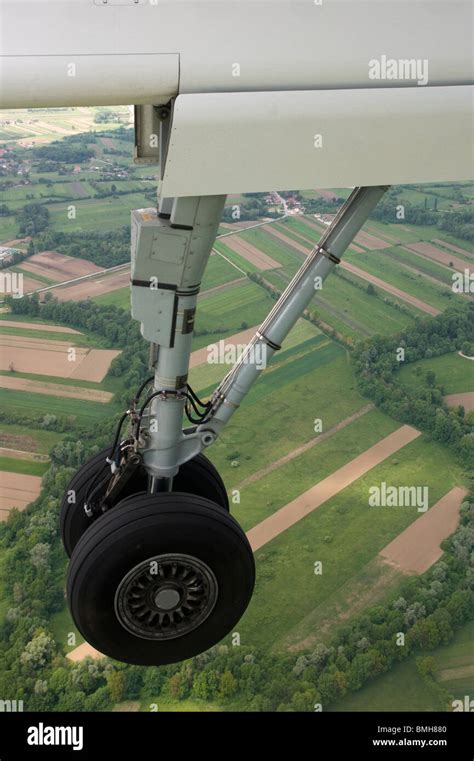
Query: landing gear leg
165	575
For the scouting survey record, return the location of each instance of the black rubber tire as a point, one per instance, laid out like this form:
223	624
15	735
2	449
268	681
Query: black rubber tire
198	476
145	526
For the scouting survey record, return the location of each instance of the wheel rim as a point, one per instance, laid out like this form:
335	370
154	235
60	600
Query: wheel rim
166	596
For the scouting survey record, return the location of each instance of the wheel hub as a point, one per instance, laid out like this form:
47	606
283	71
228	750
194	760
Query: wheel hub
167	599
166	596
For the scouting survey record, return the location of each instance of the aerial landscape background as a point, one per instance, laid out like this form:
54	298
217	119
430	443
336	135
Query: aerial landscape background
357	607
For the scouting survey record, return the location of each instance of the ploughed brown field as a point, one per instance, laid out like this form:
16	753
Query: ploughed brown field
88	289
465	399
44	357
443	257
418	547
364	239
58	267
249	252
452	247
17	490
54	389
30	284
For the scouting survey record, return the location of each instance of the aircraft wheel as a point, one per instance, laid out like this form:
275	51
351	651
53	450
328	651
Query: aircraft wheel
198	476
160	579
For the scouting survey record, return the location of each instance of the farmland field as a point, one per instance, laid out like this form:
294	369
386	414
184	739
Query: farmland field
222	314
27	439
344	534
453	372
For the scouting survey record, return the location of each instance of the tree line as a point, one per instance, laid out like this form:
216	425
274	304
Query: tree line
106	249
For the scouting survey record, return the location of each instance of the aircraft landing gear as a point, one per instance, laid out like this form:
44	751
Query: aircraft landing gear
159	570
197	476
160	578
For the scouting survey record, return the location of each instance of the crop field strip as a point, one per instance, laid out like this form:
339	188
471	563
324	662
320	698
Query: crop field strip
304	248
346	318
41	326
423	267
378	281
381	269
83	411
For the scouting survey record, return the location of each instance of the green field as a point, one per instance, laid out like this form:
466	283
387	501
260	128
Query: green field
28	467
218	272
8	228
97	213
273	247
118	298
304	229
240	264
36	439
280	411
42	404
223	313
206	374
61	626
453	372
363	314
401	689
303	233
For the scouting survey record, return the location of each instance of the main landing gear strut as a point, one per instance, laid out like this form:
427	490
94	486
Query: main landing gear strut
160	571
